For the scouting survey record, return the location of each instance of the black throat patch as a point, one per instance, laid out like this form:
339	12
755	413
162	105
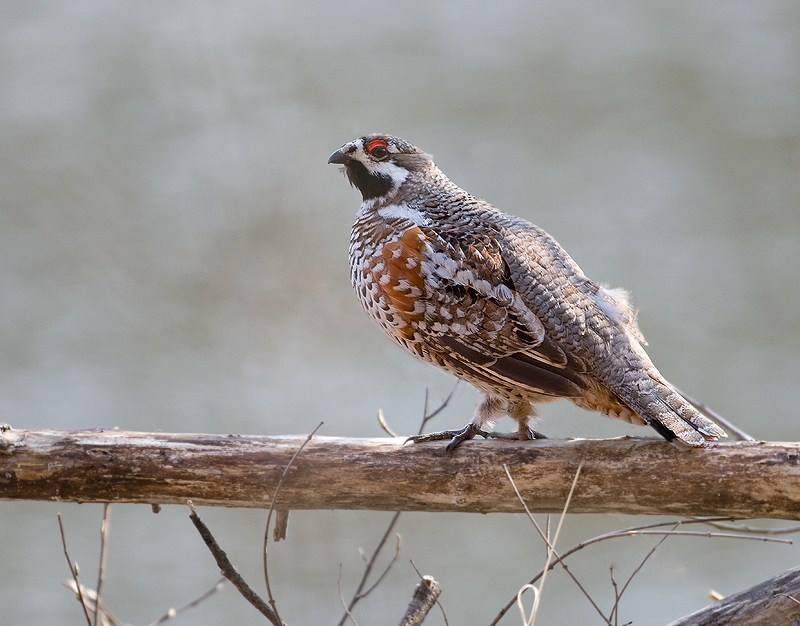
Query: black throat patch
370	185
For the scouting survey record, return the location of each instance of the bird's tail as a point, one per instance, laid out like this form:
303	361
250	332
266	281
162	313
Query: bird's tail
674	417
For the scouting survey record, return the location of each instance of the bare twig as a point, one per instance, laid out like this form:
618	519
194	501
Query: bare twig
614	613
347	612
618	596
388	567
370	563
687	533
359	593
73	568
385	425
545	537
647	529
101	574
425	595
427	417
441	608
190	605
269	517
551	547
91	600
229	571
743	528
795	600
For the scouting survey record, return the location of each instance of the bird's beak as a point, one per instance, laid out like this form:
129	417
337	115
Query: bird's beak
339	157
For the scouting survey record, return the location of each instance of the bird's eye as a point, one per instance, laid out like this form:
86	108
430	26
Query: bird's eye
378	149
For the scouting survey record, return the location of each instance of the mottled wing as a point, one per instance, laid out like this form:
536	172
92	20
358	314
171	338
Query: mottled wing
475	312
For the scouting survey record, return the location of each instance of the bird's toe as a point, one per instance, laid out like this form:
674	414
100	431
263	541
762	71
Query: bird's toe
456	437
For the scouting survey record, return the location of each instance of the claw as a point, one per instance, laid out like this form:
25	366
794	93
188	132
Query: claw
470	431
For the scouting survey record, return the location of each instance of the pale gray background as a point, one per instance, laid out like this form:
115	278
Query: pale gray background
173	257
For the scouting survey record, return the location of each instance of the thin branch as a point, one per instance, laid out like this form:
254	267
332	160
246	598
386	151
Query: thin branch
269	517
687	533
551	548
347	612
614	613
545	537
618	596
643	529
795	600
229	571
646	529
387	568
385	425
427	417
740	434
743	528
73	568
190	605
441	608
360	593
91	600
101	574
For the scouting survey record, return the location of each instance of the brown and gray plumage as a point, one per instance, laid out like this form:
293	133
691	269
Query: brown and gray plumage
496	301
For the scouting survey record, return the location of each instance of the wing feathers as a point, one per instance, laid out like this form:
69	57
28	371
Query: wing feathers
520	369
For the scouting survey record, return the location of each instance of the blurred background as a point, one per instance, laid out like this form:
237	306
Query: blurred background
173	257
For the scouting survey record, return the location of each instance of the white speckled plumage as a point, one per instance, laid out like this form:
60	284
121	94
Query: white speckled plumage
496	301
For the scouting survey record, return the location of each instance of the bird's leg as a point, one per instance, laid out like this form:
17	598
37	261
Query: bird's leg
488	410
525	433
522	412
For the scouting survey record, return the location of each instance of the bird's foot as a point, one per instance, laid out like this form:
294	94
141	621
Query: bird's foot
523	434
470	431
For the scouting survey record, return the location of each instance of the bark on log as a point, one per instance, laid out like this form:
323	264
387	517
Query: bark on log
774	602
637	476
424	598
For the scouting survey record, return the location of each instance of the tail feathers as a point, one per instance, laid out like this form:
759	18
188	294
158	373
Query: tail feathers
669	413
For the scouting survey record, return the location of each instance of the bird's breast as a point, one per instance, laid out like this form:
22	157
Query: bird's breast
386	272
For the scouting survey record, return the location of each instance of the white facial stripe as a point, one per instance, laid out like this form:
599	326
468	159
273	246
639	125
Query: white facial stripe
396	173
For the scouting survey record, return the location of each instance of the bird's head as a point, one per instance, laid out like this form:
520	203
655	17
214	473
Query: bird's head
378	164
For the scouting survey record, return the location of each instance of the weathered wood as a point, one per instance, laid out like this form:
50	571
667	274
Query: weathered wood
774	602
424	598
638	476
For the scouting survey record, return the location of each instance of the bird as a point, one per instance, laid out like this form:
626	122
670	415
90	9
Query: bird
496	301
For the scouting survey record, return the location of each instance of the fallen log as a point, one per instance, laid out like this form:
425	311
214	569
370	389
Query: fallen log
636	476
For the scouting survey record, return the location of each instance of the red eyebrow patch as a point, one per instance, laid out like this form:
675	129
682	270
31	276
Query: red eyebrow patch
375	143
